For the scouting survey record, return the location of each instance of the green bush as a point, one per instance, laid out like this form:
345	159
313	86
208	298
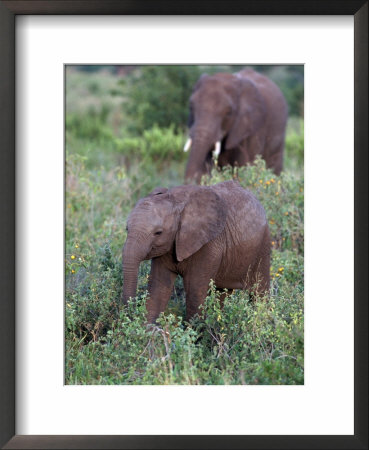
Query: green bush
91	125
155	145
241	343
159	95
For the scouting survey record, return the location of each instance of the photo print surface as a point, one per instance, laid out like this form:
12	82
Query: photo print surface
184	233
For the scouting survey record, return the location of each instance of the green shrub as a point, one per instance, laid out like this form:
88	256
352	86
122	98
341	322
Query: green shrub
159	95
156	145
91	125
243	343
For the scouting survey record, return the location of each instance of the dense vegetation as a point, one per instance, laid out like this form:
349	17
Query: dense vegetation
118	148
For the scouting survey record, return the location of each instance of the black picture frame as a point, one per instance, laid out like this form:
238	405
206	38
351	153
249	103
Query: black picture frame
8	12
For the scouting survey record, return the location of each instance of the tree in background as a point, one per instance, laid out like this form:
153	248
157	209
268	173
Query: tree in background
158	95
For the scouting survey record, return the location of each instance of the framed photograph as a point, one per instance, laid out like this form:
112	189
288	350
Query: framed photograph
106	103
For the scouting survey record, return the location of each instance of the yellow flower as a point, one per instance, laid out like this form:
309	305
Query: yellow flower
281	269
272	180
277	193
219	317
73	271
72	257
76	246
260	181
273	242
268	183
277	274
69	305
271	221
286	213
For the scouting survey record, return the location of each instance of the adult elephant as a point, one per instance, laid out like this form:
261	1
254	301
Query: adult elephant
217	232
238	116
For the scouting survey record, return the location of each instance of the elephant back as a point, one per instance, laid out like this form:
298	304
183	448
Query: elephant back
245	212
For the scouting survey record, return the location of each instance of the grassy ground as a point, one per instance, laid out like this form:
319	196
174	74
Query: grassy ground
107	171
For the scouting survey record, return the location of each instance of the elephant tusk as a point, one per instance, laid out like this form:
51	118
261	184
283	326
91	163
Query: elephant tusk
187	145
217	149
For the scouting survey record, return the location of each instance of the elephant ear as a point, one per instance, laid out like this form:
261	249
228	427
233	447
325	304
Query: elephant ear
202	220
250	114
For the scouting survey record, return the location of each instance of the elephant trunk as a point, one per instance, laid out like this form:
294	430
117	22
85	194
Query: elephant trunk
200	159
132	258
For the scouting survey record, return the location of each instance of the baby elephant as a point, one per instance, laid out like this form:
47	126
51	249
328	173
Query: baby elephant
217	232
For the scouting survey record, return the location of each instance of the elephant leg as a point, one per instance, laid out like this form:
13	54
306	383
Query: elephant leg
196	283
161	284
195	296
253	146
275	160
235	157
241	155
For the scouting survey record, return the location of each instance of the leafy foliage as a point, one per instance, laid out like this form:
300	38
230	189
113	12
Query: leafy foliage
91	125
159	145
241	343
158	95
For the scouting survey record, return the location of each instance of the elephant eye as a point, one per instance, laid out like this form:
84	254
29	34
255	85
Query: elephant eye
158	233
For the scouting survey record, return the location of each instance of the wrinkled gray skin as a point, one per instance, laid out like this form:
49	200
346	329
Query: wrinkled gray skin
215	232
246	112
